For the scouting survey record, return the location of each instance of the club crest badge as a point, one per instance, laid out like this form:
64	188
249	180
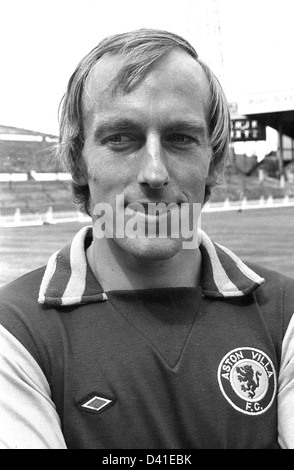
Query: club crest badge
247	379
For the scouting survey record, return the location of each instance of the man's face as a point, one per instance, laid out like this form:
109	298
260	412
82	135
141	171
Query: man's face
149	145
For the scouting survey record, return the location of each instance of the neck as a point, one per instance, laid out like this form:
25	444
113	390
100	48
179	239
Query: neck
115	270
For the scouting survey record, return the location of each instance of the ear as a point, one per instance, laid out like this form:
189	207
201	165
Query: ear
80	174
207	194
80	178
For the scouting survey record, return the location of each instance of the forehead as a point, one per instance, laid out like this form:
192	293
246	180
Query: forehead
176	74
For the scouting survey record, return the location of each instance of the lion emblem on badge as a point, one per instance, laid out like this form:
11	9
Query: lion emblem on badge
246	374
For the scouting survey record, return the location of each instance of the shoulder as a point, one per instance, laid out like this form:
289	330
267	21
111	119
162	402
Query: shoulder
29	322
276	286
24	287
271	275
19	299
275	298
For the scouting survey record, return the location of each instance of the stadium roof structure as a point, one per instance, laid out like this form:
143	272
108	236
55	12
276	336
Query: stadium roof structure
274	109
282	121
9	130
24	150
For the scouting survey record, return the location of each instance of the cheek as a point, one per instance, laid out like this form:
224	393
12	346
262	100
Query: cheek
107	181
202	169
194	178
195	172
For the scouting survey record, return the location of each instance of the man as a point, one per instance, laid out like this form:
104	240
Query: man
133	341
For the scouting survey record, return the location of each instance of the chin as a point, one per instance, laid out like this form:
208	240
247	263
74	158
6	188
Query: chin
150	249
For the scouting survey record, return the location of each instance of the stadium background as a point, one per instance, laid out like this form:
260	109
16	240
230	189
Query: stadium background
252	213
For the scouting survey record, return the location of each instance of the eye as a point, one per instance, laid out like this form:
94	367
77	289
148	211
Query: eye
119	139
120	142
181	139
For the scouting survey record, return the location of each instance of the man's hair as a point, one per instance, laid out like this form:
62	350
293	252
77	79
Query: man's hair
139	50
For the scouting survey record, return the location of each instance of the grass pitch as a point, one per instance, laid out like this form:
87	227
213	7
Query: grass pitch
262	236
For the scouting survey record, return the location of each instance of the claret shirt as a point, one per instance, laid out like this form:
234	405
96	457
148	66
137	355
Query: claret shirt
174	368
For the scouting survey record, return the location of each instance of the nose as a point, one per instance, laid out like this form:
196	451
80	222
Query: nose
153	170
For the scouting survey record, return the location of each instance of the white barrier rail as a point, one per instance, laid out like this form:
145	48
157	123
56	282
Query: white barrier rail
16	177
19	219
7	177
244	204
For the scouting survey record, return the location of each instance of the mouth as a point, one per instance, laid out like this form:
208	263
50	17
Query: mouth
151	209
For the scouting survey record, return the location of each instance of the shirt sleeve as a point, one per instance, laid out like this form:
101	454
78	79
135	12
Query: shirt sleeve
28	416
286	390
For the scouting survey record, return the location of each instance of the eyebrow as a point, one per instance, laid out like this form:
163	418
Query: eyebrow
114	125
125	124
188	125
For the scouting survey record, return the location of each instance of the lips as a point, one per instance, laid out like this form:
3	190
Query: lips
153	209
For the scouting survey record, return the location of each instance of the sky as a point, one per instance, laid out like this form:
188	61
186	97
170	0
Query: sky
42	41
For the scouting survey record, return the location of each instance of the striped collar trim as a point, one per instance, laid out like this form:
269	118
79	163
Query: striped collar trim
69	280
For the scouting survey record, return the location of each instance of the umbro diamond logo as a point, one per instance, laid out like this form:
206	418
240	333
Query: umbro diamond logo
95	403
